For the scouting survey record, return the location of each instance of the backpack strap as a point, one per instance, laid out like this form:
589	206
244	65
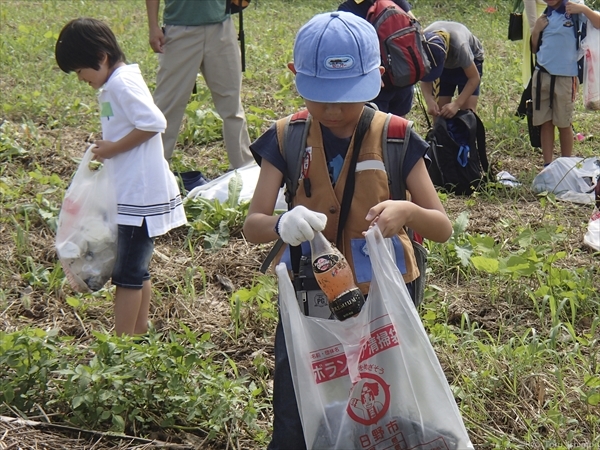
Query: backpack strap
293	144
395	138
481	146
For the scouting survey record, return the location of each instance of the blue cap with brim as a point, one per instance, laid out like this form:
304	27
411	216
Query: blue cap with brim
337	59
436	52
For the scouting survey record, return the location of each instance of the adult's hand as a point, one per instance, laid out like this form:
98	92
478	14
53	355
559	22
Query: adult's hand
157	39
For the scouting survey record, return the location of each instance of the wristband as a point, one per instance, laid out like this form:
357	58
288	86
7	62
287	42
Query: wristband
276	228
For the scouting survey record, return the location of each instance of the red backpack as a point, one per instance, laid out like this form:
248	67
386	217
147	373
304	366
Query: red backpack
401	42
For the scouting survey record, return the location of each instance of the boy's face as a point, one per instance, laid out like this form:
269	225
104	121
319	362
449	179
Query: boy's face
340	118
553	3
95	78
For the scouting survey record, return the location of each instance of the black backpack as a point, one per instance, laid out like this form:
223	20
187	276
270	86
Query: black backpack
458	155
395	141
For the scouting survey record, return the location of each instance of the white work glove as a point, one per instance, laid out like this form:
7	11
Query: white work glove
299	224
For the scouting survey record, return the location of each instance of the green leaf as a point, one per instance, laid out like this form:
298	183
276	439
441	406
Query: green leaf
520	265
593	399
235	188
488	265
464	254
118	423
74	302
77	401
461	222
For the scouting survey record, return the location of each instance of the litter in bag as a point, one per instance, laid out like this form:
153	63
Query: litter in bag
591	70
592	236
569	178
372	381
86	237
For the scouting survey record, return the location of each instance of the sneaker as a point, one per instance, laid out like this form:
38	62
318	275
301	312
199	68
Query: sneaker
191	179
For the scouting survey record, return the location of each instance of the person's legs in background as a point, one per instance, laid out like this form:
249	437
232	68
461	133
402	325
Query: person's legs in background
176	77
222	71
395	100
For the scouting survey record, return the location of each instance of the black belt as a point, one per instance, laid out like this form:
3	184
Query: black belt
538	88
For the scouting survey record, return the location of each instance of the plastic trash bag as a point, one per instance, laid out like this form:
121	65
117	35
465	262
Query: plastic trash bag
592	236
86	237
591	69
219	187
372	381
569	179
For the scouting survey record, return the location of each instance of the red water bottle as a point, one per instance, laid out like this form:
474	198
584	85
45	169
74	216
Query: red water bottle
334	275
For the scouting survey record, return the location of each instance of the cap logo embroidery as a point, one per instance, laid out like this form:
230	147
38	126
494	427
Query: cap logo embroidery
339	62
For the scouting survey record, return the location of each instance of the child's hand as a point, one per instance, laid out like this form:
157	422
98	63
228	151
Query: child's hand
103	150
390	216
299	224
449	110
432	108
575	8
540	24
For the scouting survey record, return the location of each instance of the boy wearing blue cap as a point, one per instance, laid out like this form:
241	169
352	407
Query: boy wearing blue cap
337	68
555	82
456	63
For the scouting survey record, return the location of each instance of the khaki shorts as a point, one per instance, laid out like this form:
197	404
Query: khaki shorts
565	91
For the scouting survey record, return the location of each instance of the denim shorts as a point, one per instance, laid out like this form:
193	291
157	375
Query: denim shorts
450	79
134	252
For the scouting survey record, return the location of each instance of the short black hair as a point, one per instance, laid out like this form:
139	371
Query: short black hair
83	42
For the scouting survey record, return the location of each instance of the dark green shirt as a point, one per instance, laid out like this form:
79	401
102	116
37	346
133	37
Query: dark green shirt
194	12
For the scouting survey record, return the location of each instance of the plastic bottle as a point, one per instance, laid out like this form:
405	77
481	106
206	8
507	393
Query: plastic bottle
335	278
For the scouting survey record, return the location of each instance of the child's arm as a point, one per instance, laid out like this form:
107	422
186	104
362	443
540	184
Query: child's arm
259	226
432	106
108	149
294	226
540	24
579	8
449	110
424	213
531	13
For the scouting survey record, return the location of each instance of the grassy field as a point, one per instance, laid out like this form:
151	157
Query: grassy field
512	305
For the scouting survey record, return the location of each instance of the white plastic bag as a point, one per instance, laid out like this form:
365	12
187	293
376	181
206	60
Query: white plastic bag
372	381
592	236
591	68
86	237
219	187
569	179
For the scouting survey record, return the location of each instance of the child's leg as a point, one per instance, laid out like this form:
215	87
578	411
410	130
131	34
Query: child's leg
471	103
565	136
131	276
141	324
547	138
565	95
127	307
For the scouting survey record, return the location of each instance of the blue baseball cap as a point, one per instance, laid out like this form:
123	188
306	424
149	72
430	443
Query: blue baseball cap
337	59
436	53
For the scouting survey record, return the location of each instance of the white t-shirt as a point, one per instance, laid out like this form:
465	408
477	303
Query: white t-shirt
146	187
